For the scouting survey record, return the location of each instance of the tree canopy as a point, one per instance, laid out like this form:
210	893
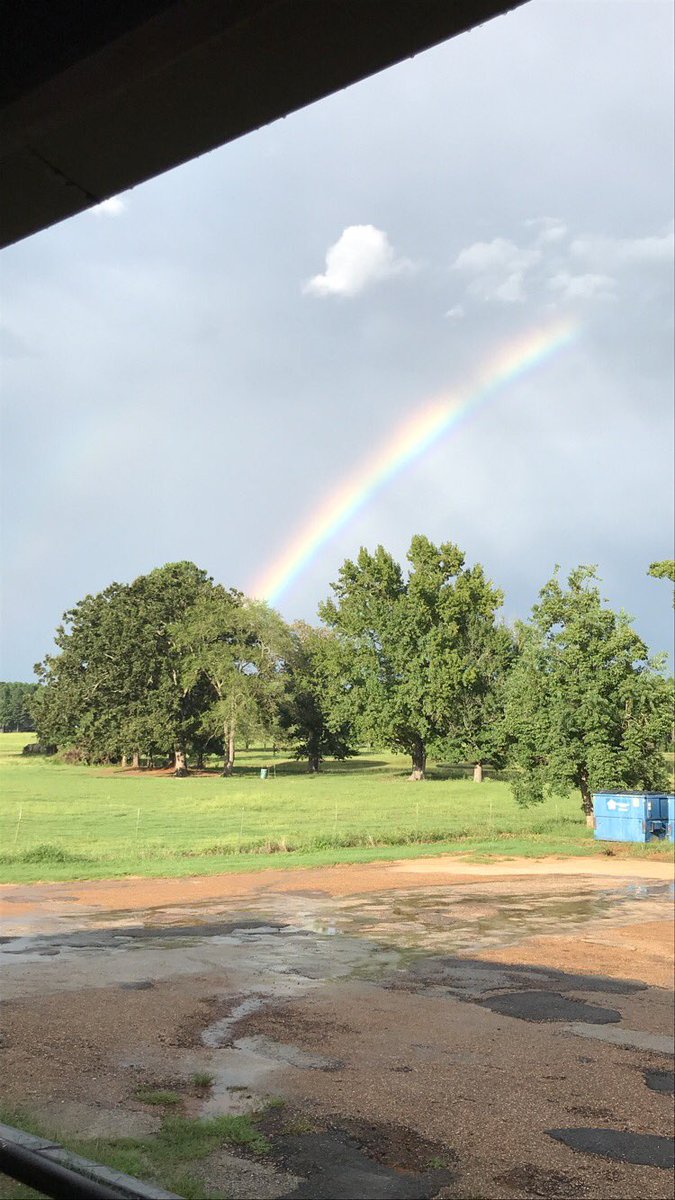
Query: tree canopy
665	569
586	706
305	708
414	648
15	707
173	667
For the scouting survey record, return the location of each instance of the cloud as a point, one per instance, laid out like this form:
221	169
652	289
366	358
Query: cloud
496	270
551	229
362	255
582	287
110	208
587	267
618	252
456	312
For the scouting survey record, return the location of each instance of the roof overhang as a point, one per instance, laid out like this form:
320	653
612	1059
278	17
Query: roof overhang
99	95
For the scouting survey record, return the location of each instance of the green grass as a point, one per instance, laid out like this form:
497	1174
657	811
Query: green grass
61	822
162	1097
202	1079
167	1158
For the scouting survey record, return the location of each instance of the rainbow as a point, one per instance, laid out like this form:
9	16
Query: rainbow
408	442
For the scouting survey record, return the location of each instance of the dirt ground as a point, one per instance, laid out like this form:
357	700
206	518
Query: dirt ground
434	1028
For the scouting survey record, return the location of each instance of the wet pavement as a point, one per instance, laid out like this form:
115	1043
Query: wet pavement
482	1019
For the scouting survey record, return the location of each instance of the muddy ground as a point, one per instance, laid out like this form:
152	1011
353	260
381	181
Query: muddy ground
434	1029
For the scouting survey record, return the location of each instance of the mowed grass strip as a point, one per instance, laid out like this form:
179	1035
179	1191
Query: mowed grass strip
70	822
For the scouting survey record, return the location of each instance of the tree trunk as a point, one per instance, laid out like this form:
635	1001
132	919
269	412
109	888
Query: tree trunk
136	760
586	797
124	762
314	763
419	761
478	773
181	764
229	764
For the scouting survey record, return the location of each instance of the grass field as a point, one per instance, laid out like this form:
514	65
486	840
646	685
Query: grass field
69	822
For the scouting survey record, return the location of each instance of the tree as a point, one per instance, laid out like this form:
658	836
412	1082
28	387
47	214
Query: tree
15	707
586	706
237	648
304	710
406	645
116	686
478	729
665	569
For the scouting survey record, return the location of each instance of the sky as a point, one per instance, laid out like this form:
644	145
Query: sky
194	369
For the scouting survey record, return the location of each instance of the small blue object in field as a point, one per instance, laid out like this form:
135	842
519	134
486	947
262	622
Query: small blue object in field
634	816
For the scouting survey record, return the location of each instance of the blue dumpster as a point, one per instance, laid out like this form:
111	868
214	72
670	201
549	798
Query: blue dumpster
668	814
633	816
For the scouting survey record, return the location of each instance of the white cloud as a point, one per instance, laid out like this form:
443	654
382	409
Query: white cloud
456	312
361	256
582	287
551	229
511	291
605	251
497	269
110	208
589	267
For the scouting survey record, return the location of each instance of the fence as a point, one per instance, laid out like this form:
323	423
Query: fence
224	817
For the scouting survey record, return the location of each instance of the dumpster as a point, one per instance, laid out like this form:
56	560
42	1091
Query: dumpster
633	816
668	815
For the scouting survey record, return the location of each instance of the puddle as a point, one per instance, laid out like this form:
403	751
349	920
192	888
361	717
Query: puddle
290	1056
220	1032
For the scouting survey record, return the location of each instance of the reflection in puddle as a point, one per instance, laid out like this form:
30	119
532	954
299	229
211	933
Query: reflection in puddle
450	920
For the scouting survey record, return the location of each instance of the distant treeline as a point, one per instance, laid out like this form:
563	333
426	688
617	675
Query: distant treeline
174	667
15	711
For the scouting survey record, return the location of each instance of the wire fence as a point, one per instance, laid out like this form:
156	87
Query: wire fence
266	821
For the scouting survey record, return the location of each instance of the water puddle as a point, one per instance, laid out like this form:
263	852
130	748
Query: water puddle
319	938
220	1032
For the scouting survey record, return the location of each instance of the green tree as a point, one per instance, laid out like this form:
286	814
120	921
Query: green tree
116	687
665	569
304	710
237	648
15	707
586	706
478	731
408	657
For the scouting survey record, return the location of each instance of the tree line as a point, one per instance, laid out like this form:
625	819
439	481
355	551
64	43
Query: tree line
15	707
174	667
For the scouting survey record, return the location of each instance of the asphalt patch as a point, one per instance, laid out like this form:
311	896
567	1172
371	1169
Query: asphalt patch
353	1159
548	1006
661	1081
336	1168
641	1149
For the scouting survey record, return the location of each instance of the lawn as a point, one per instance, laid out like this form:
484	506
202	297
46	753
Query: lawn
71	822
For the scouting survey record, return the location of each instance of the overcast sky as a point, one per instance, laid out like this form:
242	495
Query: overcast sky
190	370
